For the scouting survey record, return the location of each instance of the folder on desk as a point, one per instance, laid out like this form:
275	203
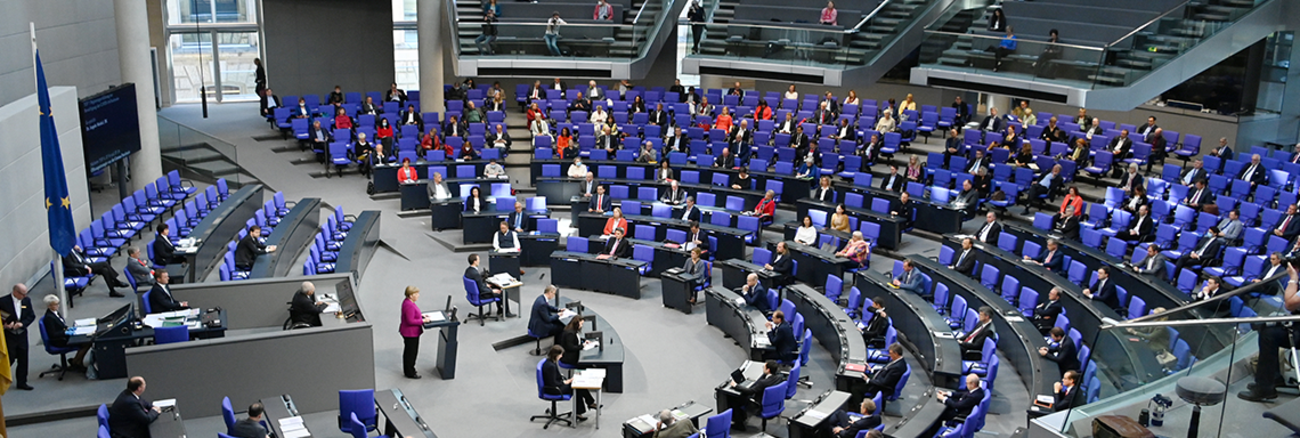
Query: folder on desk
435	316
85	322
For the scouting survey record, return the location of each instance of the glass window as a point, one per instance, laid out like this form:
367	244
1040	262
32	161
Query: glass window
236	52
404	10
211	11
406	58
191	64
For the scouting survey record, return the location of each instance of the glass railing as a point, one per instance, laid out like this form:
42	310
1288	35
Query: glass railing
579	38
1119	63
808	43
1148	362
202	153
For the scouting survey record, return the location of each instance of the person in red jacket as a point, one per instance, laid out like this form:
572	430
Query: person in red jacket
766	207
407	174
342	121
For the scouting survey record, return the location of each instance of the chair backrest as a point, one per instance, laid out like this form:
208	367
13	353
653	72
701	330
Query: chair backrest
356	427
227	414
792	381
168	335
718	426
359	403
102	416
576	244
898	389
774	400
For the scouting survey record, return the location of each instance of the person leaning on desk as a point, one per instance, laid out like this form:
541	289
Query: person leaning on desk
411	327
130	415
485	290
164	253
305	309
909	280
695	272
840	425
755	391
57	330
544	320
669	427
958	403
884	380
249	248
753	292
160	297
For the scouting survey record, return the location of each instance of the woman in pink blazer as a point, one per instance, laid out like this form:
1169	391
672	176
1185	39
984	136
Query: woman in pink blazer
411	327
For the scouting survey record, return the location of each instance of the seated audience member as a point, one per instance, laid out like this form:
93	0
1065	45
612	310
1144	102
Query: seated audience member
160	297
771	377
485	290
437	188
910	279
1062	351
964	259
57	329
1205	252
973	343
754	293
1048	185
554	383
615	220
616	247
884	380
75	264
904	209
600	202
857	249
670	427
874	333
959	403
806	234
1046	312
765	208
505	239
782	265
250	427
407	174
1153	264
249	248
674	194
841	425
695	271
304	308
1049	257
1067	392
494	170
1103	289
780	334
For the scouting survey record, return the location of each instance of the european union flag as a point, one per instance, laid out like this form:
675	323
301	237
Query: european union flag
57	203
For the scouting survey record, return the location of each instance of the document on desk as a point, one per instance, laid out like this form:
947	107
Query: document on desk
293	427
815	415
567	313
81	330
590	345
944	335
85	322
435	316
164	403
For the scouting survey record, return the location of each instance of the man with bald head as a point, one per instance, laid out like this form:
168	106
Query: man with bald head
305	309
130	415
753	292
19	314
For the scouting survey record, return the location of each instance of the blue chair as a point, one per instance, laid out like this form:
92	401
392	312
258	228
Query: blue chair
773	403
228	414
792	381
898	389
102	416
168	335
62	352
103	433
553	414
718	426
472	294
357	411
358	429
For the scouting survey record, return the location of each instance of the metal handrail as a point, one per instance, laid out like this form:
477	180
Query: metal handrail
873	13
810	28
453	17
1148	23
639	11
1191	322
1218	298
1075	46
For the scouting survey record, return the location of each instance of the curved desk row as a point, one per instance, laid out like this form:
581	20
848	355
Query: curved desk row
360	245
218	228
834	330
295	231
744	324
891	227
558	189
816	264
478	227
609	355
939	218
578	270
1023	339
415	196
734	272
1155	292
385	176
792	187
919	326
731	241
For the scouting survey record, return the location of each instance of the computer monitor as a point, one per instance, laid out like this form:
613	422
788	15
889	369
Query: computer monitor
347	299
447	307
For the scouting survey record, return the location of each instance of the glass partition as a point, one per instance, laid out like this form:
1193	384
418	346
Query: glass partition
1169	362
579	38
198	150
1018	58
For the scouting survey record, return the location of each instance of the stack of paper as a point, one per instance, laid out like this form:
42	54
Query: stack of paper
435	316
293	427
815	415
164	403
84	322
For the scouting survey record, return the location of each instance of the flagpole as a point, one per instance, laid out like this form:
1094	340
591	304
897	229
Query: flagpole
56	263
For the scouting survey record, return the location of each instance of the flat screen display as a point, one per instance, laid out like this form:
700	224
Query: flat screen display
110	127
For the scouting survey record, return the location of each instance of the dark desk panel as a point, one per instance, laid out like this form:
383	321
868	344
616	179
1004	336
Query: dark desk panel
537	248
834	330
385	176
360	245
812	421
479	227
400	418
731	241
792	187
917	324
610	356
415	196
292	235
585	271
734	272
445	213
219	227
815	265
728	312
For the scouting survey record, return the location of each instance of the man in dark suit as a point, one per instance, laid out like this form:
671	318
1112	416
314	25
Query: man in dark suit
319	138
674	194
160	296
304	309
1289	226
164	253
968	199
1045	313
959	403
76	265
989	232
892	182
544	320
1049	184
1140	227
138	268
518	219
616	247
954	145
250	427
269	102
1131	179
1067	226
587	187
979	162
1206	250
874	334
696	238
1050	257
1065	353
903	208
249	248
1153	264
1274	267
910	279
1103	289
781	335
1254	172
886	378
782	264
992	122
841	425
600	202
689	211
559	85
658	116
18	317
1198	196
726	160
1067	391
962	110
130	415
973	344
1197	171
754	293
1119	147
1222	150
485	290
824	192
771	377
368	107
964	260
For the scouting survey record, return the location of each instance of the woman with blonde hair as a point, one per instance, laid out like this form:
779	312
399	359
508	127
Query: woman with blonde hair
411	327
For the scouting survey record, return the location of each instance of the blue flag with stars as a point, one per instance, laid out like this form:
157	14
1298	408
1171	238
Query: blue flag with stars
58	204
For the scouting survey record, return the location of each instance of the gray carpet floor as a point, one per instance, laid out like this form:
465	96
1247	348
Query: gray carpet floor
671	357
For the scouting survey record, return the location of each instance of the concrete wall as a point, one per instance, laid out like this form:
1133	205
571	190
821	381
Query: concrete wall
25	243
313	45
78	42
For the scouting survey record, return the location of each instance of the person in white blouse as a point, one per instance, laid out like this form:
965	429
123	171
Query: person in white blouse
598	116
791	94
577	169
505	240
807	233
540	127
852	99
886	123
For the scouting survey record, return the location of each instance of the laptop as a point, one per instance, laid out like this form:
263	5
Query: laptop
738	376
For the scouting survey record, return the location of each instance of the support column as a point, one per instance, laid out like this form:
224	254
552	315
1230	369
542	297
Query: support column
429	25
133	54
